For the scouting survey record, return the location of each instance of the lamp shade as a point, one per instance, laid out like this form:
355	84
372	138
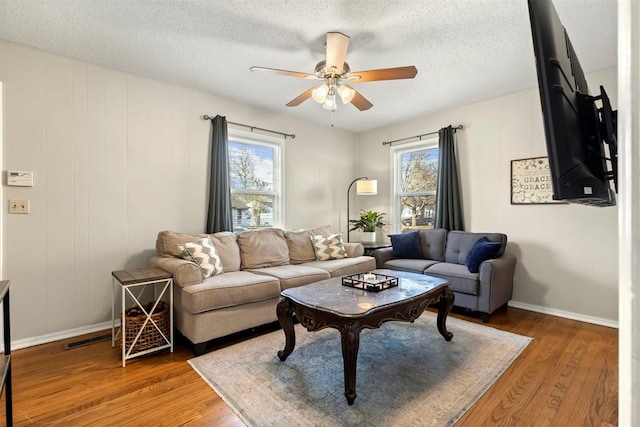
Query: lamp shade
346	94
319	94
367	187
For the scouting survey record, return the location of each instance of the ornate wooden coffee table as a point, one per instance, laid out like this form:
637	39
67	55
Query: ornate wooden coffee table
329	304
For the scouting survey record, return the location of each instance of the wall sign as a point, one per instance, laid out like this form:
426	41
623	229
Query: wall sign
531	182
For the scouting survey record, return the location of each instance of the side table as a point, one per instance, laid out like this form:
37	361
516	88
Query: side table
132	284
369	247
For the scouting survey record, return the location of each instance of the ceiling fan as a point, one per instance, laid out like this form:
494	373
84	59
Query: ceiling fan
333	71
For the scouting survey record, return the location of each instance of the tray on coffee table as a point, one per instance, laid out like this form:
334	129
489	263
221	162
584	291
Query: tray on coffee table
373	282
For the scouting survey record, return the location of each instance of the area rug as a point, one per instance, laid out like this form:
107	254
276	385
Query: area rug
407	374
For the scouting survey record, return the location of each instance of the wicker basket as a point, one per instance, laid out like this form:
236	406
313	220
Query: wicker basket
150	337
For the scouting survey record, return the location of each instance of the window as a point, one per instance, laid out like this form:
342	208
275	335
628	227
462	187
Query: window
255	163
416	179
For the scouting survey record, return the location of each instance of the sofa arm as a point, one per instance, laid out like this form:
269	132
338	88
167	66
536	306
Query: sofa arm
496	282
382	255
185	273
353	249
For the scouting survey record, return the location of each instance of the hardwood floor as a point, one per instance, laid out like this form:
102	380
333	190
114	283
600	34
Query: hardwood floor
567	376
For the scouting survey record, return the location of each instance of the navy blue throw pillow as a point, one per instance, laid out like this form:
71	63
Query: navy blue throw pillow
406	245
481	251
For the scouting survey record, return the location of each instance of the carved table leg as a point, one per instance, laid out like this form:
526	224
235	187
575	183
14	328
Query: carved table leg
284	312
444	307
350	342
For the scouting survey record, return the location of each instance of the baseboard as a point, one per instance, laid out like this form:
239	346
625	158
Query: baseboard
566	314
61	335
70	333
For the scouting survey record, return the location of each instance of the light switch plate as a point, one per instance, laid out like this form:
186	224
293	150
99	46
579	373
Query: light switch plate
18	206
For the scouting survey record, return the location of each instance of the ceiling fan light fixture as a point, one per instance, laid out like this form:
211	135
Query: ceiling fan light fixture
334	70
319	94
330	103
346	94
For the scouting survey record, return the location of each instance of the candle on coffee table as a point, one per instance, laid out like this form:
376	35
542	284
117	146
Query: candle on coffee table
368	277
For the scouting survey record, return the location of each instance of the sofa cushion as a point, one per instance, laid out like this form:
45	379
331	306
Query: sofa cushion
458	275
202	253
300	246
410	265
433	242
459	243
406	245
263	248
328	246
291	276
344	266
481	251
226	243
167	242
325	229
227	290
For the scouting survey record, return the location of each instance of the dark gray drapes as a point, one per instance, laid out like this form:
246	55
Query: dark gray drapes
448	200
219	216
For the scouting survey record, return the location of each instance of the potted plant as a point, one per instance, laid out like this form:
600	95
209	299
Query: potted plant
368	223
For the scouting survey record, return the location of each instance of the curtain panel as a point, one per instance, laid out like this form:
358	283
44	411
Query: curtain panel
448	199
219	215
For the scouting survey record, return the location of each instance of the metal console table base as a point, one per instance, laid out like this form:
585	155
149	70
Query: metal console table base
132	283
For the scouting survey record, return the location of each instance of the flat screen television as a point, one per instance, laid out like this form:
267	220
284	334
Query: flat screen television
580	129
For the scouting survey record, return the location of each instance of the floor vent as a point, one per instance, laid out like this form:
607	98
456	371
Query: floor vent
92	340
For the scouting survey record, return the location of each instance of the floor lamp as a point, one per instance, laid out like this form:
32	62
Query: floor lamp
364	187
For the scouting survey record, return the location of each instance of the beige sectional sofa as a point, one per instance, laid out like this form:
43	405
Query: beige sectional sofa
256	266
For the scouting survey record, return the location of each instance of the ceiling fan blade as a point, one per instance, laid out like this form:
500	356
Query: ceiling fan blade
301	98
383	74
284	72
359	101
337	45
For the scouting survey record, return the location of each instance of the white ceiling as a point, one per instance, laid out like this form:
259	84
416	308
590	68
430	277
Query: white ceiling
465	50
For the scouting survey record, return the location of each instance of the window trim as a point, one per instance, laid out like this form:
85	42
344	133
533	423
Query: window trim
396	152
254	138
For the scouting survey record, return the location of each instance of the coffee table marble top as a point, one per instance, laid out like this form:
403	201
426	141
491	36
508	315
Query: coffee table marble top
330	295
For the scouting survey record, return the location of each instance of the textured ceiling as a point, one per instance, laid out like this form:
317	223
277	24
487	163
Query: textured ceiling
465	50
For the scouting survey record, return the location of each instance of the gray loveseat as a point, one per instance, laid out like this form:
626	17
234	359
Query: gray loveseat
445	255
257	266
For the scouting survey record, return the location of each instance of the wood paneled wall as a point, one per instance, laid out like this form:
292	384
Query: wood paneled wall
567	254
116	159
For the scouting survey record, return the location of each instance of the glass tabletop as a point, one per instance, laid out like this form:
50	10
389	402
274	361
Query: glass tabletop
331	295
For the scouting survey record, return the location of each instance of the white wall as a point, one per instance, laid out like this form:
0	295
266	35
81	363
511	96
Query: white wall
567	253
116	159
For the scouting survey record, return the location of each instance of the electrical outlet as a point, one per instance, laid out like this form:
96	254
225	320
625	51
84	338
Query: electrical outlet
18	206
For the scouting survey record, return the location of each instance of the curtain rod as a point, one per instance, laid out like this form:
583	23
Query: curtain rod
290	135
455	128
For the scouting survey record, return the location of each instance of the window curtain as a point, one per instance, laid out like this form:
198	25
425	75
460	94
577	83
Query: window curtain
448	200
219	216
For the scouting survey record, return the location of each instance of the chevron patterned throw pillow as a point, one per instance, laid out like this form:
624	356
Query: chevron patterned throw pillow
328	246
204	255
